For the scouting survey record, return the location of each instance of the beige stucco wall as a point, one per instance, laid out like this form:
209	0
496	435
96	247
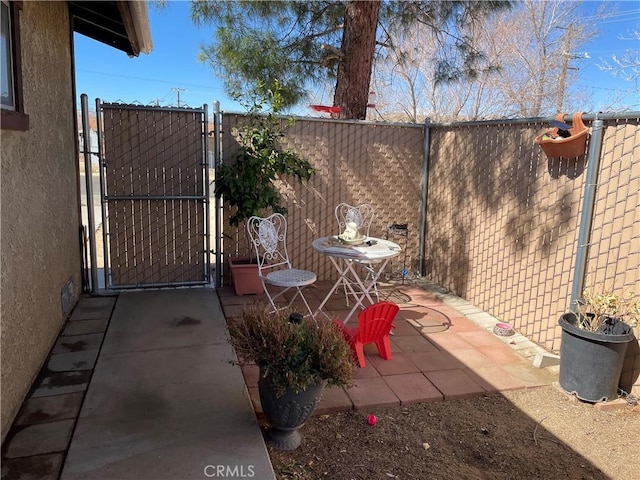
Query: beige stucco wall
39	204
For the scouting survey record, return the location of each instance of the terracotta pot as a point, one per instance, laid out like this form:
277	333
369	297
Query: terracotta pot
570	147
245	276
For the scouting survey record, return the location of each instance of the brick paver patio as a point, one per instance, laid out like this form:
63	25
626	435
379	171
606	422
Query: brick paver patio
438	353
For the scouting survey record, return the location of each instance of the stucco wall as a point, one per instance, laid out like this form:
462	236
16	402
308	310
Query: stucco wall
39	204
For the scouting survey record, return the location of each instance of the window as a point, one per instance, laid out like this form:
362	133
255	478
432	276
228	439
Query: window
13	115
7	60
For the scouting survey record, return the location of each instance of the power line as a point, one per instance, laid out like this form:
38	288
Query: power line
108	74
628	13
594	87
617	21
164	99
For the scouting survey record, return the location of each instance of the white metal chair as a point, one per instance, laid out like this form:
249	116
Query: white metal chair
269	238
362	215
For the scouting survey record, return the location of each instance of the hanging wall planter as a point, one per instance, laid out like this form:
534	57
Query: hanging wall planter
560	142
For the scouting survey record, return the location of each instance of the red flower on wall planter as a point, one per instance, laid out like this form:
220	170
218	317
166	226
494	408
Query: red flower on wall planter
555	145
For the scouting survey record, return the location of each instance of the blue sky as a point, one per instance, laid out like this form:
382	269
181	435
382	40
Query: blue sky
623	23
172	66
109	74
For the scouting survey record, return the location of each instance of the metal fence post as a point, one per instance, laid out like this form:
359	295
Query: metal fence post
423	197
218	204
207	220
586	216
86	150
103	204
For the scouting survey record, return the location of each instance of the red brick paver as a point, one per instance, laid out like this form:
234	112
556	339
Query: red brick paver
437	354
413	388
372	392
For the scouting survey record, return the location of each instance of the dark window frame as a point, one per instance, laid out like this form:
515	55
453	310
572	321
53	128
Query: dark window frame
15	119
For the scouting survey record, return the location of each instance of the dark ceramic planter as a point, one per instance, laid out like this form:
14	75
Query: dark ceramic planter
591	362
286	414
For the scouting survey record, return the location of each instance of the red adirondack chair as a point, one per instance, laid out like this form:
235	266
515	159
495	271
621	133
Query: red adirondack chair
374	325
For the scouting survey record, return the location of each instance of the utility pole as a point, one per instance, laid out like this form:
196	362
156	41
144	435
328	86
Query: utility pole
566	56
178	90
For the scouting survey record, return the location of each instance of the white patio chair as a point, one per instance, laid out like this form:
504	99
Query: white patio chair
269	238
362	215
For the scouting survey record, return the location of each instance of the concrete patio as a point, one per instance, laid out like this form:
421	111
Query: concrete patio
141	385
138	386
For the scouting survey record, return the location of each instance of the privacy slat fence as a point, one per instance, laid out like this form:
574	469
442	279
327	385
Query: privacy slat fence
502	223
155	196
354	163
502	220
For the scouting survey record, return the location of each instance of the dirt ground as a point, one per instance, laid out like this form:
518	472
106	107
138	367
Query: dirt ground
526	434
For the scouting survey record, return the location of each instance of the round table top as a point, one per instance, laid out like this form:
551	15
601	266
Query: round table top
371	249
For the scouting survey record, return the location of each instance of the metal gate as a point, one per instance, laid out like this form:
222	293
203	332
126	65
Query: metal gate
154	191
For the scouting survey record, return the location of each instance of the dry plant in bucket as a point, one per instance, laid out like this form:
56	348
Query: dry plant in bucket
603	311
294	355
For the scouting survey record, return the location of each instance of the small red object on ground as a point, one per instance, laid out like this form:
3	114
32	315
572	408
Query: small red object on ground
371	419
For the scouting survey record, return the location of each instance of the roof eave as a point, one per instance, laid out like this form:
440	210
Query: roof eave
121	24
136	22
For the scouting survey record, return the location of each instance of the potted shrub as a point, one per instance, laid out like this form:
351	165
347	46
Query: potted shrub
296	360
595	338
247	181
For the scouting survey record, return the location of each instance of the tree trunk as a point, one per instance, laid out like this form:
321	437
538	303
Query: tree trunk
358	48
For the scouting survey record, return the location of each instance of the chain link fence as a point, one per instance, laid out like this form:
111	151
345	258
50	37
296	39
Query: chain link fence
354	163
502	220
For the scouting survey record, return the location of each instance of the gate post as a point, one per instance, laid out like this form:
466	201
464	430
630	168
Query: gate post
218	213
86	150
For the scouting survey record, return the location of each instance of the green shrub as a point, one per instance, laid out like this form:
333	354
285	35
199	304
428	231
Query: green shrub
247	183
294	355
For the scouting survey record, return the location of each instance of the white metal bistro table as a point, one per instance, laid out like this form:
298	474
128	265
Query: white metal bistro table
375	251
